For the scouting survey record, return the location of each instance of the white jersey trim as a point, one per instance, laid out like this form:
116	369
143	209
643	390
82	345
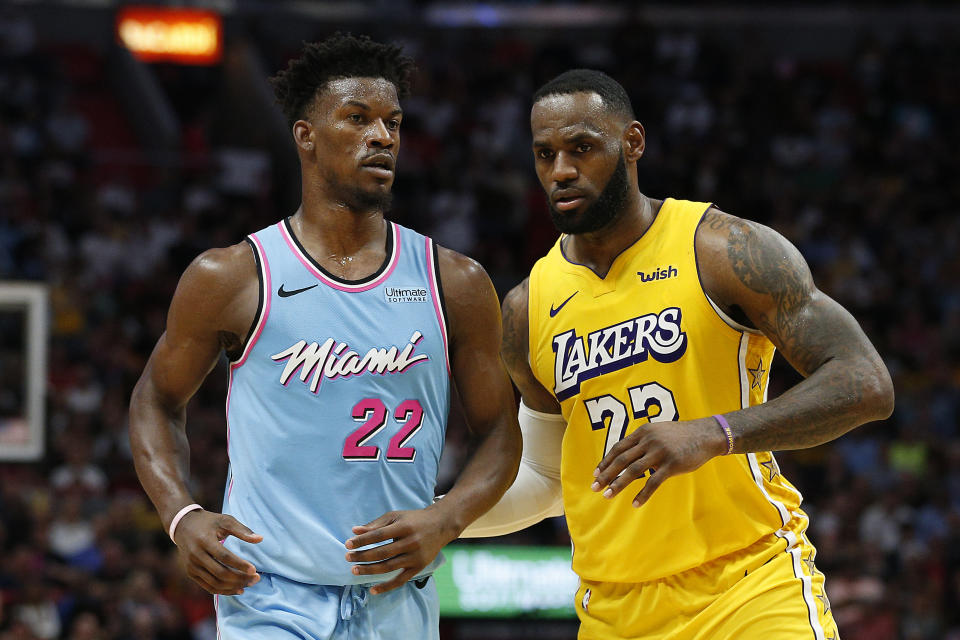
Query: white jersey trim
733	324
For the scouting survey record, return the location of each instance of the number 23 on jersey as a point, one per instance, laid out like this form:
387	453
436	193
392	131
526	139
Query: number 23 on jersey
651	401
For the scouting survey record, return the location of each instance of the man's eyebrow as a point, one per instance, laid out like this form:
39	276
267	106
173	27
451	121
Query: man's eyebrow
363	105
582	135
588	134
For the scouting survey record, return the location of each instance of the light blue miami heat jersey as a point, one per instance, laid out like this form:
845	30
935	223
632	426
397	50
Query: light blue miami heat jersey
337	407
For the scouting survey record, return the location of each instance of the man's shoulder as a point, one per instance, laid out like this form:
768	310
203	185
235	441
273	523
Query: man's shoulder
516	301
459	272
221	272
224	263
724	234
218	291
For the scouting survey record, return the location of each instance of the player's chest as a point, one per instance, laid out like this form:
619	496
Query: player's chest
593	330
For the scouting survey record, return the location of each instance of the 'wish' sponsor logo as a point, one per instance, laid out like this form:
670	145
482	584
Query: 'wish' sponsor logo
405	294
658	274
334	359
616	347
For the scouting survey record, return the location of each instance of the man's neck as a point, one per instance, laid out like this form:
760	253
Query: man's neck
598	249
348	243
332	222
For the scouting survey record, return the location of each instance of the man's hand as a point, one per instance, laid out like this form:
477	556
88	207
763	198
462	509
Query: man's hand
663	448
199	537
418	536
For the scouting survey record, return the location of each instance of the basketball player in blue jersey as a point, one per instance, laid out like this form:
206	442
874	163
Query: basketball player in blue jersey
344	333
641	344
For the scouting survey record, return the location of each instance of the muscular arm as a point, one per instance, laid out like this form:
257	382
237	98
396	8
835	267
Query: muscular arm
846	384
489	407
536	493
215	296
751	271
516	350
416	537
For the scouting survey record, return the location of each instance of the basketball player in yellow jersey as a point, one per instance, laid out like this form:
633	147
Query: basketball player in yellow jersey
641	344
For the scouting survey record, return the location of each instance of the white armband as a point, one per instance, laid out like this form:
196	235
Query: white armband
536	493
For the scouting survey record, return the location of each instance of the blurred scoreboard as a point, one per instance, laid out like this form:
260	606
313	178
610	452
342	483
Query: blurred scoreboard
494	581
179	35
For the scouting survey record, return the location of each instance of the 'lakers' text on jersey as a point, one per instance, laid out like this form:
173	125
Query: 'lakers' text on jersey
337	408
645	344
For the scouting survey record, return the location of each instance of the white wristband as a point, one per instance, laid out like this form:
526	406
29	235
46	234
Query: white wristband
177	518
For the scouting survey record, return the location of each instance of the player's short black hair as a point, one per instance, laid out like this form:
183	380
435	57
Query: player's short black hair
612	93
339	56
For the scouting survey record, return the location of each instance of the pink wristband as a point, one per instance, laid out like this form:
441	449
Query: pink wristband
177	518
726	431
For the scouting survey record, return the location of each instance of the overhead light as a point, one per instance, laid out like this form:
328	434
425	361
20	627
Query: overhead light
185	36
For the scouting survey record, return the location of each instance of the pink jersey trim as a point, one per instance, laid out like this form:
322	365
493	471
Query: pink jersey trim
261	322
435	295
227	412
339	286
267	296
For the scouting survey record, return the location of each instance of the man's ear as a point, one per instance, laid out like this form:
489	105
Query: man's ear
303	135
634	141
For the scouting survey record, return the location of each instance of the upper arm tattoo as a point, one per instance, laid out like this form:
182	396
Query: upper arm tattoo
771	269
768	265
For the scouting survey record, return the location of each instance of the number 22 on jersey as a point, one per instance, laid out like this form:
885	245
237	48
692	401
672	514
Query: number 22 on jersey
652	401
373	413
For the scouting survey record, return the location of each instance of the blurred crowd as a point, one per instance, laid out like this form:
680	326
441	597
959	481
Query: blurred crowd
851	158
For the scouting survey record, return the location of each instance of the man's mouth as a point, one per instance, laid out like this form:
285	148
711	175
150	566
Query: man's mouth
381	165
567	201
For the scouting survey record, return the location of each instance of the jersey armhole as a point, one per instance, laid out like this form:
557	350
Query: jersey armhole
733	324
730	322
263	284
440	304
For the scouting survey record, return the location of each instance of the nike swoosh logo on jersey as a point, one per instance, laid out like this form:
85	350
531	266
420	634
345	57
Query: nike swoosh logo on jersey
286	294
554	312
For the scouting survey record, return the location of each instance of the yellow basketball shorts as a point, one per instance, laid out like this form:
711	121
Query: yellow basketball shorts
761	592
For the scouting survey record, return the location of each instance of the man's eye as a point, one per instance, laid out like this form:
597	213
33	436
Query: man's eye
544	154
393	125
355	117
583	147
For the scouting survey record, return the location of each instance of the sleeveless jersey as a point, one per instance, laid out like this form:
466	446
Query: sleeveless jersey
645	344
337	407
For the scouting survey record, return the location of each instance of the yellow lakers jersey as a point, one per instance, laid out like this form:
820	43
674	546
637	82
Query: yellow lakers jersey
645	344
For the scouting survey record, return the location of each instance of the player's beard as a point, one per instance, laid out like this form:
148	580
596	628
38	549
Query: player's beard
371	200
608	206
359	199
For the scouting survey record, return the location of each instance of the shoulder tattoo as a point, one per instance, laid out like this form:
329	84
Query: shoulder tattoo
515	338
767	264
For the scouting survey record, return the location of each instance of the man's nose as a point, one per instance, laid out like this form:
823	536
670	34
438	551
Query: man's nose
563	169
380	137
